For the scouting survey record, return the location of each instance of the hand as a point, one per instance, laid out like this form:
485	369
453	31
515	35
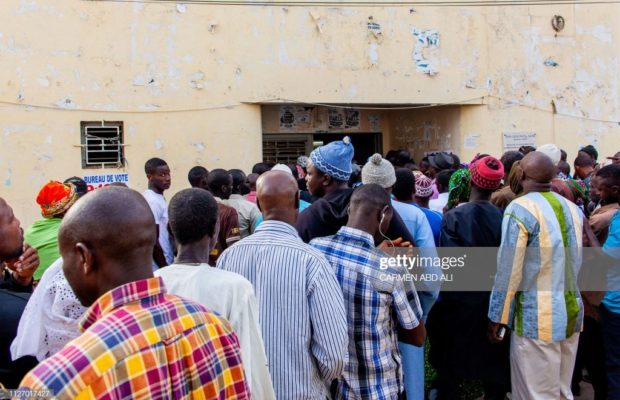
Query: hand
390	247
492	330
23	267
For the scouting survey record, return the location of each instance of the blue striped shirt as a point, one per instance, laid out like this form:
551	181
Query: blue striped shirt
377	302
301	309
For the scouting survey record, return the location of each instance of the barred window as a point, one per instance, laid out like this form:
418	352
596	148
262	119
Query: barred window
102	144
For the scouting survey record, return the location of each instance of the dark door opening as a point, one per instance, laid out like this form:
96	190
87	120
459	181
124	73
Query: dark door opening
364	144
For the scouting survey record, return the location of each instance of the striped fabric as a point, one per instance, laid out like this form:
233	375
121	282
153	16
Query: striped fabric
377	304
301	309
141	343
535	290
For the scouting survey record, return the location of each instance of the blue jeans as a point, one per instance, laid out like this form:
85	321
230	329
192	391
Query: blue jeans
611	336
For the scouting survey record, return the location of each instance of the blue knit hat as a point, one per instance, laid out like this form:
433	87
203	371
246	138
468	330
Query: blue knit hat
334	159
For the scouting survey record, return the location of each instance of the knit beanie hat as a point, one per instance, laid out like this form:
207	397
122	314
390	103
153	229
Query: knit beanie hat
334	159
282	168
379	171
423	186
487	173
552	151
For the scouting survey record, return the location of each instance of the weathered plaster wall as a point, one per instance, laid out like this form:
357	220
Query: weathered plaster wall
197	66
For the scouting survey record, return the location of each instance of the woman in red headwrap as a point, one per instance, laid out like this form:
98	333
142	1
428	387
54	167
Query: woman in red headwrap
54	199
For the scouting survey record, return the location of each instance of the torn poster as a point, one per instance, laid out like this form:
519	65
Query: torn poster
295	117
335	118
374	28
514	140
425	39
351	119
375	123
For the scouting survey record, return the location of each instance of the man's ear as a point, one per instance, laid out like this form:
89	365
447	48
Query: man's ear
85	257
296	200
258	204
327	180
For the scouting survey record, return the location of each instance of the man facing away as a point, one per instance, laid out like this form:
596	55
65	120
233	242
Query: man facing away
381	308
228	221
138	342
535	290
301	307
246	210
158	175
194	224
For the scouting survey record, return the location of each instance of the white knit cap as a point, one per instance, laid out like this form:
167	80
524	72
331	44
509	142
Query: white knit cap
282	167
552	151
380	171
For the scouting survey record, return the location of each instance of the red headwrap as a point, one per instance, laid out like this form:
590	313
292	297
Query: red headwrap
55	198
487	172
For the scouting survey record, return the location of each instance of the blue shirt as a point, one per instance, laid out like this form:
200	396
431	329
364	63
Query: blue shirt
418	226
301	308
612	249
377	300
433	218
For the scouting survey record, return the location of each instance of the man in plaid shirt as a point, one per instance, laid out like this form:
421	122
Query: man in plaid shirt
138	342
382	308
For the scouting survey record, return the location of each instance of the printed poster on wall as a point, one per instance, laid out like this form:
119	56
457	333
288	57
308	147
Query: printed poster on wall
514	140
102	180
295	117
338	119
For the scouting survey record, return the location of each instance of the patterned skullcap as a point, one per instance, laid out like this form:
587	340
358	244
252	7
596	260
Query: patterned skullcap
487	173
334	159
55	198
423	186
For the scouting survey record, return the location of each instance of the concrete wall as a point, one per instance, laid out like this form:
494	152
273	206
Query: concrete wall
186	79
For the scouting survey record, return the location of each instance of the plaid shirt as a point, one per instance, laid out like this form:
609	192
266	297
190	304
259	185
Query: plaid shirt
141	343
377	303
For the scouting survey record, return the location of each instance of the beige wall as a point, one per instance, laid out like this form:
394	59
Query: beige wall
184	78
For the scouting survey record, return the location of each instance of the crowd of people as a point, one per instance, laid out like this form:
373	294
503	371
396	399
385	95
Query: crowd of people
274	285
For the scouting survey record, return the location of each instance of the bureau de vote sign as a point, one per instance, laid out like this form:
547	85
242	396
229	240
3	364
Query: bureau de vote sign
103	180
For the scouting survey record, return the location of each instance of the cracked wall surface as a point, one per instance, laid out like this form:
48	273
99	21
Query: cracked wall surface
186	79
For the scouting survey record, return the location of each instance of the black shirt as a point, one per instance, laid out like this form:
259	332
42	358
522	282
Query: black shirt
329	213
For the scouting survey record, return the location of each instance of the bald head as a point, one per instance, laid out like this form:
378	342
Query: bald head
106	240
538	167
278	196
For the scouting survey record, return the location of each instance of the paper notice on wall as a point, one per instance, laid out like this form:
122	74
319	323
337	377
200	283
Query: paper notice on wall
514	140
295	117
102	180
472	141
335	118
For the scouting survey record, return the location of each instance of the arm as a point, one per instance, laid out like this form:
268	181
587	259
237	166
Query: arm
158	252
411	329
329	344
254	219
510	259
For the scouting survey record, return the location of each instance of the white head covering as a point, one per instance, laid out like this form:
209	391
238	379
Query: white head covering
552	151
50	319
282	167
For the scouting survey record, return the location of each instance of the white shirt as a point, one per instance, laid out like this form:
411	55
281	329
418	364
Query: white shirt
231	296
50	319
439	203
247	211
158	205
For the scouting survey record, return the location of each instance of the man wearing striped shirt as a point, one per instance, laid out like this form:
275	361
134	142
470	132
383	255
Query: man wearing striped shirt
381	306
301	308
535	291
138	342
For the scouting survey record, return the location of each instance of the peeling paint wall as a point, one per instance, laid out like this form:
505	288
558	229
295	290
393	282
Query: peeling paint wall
185	79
